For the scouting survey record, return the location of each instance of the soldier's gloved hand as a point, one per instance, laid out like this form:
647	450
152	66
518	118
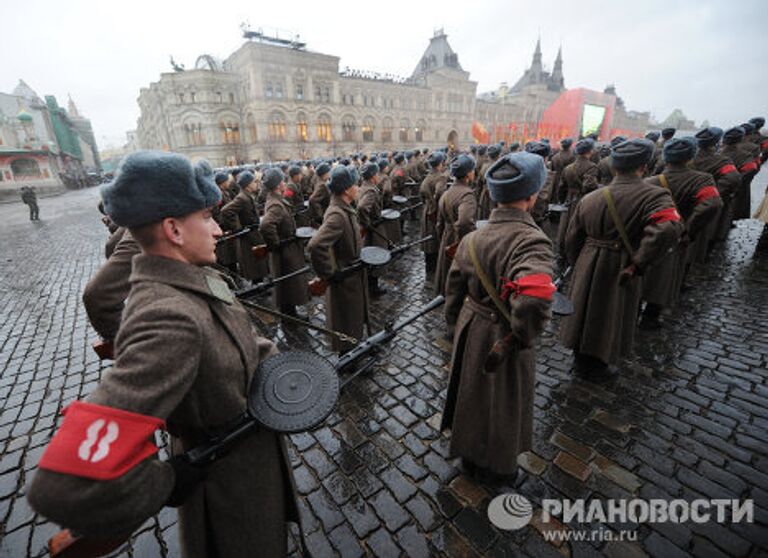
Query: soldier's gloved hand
187	477
626	274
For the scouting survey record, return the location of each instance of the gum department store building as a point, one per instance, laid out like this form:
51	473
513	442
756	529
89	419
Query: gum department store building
273	99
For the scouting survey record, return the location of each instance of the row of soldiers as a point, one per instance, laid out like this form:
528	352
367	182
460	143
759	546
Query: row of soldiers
186	350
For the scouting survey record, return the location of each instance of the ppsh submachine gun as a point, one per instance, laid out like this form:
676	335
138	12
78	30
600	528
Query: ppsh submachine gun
290	392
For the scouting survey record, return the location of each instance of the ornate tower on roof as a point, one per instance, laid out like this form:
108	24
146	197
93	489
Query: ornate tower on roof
72	108
439	54
535	75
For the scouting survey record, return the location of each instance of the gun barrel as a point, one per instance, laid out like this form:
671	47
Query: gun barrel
385	335
564	275
404	247
269	283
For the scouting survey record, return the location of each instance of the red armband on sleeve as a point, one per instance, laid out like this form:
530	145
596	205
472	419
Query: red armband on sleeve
98	442
289	193
537	285
664	215
727	169
706	193
764	145
748	167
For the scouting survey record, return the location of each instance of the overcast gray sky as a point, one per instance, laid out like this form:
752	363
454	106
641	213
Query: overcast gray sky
705	57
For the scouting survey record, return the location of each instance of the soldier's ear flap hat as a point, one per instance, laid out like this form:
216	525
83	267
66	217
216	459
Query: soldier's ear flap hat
617	140
245	178
515	176
708	137
632	154
341	179
566	143
221	177
667	133
294	170
653	136
152	185
758	122
749	127
384	163
734	135
322	169
494	151
584	146
272	178
369	170
398	157
538	148
462	165
680	150
514	146
436	158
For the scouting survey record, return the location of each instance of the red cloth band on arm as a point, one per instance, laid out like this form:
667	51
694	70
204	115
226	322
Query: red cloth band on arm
289	193
748	167
705	193
98	442
664	215
764	145
727	169
538	285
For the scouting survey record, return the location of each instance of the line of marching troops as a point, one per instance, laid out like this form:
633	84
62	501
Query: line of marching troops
627	219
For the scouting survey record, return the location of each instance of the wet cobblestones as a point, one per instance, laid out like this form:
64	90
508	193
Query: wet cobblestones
688	418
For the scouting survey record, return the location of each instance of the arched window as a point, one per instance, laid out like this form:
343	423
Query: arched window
419	130
368	128
386	132
250	124
404	127
324	128
25	168
348	128
230	132
301	127
277	127
194	133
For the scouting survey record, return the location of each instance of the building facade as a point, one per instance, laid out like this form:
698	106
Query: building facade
40	145
273	99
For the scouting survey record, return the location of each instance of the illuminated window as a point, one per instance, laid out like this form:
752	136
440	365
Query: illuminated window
301	127
368	128
348	128
324	128
230	133
277	127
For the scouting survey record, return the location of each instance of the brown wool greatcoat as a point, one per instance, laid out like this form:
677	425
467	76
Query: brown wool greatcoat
105	293
113	240
491	414
276	225
369	206
560	160
242	212
484	202
604	173
295	197
226	252
430	190
318	201
579	178
744	155
391	228
662	281
455	219
728	184
336	245
186	353
605	313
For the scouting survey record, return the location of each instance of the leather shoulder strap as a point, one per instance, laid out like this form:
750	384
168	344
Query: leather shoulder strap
486	282
617	219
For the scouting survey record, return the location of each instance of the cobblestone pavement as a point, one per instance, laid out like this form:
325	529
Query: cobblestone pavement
688	417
